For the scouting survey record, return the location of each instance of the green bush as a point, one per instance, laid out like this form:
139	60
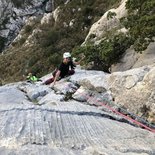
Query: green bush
55	59
49	50
28	29
36	69
17	3
106	53
22	41
2	43
111	15
32	60
87	10
140	22
49	37
55	39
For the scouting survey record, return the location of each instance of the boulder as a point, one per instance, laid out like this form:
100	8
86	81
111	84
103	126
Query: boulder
134	89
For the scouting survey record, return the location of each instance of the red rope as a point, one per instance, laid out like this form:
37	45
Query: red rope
128	118
124	116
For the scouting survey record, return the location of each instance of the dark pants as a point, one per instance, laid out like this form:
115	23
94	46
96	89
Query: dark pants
70	72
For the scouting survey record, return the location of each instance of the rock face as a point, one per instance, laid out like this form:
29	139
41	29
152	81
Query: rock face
35	119
134	89
13	15
50	16
102	26
132	59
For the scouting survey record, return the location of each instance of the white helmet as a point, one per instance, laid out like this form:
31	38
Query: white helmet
66	55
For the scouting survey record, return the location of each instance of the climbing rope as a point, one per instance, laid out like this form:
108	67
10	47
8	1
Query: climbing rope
135	119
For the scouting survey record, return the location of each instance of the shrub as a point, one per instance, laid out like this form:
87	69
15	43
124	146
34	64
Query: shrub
49	37
50	50
36	69
111	15
55	59
106	53
140	22
22	41
55	39
28	29
17	3
32	60
2	43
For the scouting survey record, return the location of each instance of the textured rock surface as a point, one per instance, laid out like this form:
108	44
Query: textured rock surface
104	25
14	14
132	59
134	89
50	16
49	125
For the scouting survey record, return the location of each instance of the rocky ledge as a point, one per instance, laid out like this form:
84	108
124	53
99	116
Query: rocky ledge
66	119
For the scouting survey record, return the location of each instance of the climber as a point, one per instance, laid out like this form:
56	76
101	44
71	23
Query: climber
32	78
66	68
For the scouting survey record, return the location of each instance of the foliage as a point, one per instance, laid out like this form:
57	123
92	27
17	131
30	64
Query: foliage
53	39
111	15
22	41
50	37
140	22
19	3
55	58
106	53
2	43
28	29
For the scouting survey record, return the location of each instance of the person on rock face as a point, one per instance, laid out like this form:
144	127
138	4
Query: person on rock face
32	78
66	68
